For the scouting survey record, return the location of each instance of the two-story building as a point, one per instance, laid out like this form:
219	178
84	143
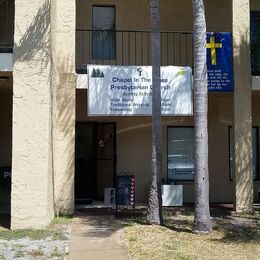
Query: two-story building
61	155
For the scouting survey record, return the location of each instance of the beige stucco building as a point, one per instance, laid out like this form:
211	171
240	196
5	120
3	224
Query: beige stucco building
59	155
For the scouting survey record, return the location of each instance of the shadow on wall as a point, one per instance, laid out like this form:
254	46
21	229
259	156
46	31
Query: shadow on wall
38	47
241	62
63	128
63	134
35	43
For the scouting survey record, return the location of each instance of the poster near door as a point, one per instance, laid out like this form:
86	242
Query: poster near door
95	164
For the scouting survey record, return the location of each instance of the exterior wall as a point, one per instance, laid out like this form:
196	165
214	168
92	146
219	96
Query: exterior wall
32	177
220	118
172	13
254	5
44	106
43	112
134	145
242	107
133	47
134	133
63	80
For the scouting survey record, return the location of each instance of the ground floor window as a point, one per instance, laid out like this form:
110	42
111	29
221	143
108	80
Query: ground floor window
255	153
180	153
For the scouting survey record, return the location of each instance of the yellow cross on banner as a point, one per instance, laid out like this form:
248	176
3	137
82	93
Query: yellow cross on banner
213	46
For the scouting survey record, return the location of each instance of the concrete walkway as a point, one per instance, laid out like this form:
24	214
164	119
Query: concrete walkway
96	237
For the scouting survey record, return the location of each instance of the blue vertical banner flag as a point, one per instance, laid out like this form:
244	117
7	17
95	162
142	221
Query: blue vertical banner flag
219	62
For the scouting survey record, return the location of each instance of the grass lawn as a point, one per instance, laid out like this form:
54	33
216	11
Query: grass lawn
233	237
53	231
49	243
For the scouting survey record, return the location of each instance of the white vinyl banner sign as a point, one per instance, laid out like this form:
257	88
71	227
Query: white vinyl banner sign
127	90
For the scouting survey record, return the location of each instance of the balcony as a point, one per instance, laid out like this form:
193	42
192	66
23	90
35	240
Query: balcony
109	47
121	47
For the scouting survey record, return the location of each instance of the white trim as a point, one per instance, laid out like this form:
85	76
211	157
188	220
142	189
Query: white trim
255	82
82	81
6	62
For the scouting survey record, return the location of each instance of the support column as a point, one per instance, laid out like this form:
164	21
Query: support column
242	107
32	176
63	53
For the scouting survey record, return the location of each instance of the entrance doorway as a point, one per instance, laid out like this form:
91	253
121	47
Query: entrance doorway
95	160
6	108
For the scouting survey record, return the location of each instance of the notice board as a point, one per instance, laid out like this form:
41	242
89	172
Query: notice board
125	190
127	90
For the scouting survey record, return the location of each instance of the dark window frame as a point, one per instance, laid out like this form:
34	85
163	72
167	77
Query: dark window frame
255	72
182	180
113	57
7	34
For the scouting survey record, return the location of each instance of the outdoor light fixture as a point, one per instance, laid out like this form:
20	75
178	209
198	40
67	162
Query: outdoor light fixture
103	141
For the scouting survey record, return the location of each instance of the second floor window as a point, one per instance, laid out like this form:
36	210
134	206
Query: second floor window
6	24
103	37
255	42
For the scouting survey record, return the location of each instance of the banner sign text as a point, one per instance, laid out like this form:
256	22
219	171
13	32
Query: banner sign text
219	62
127	90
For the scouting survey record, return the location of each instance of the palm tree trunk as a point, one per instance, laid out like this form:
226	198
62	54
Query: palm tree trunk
202	221
154	215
